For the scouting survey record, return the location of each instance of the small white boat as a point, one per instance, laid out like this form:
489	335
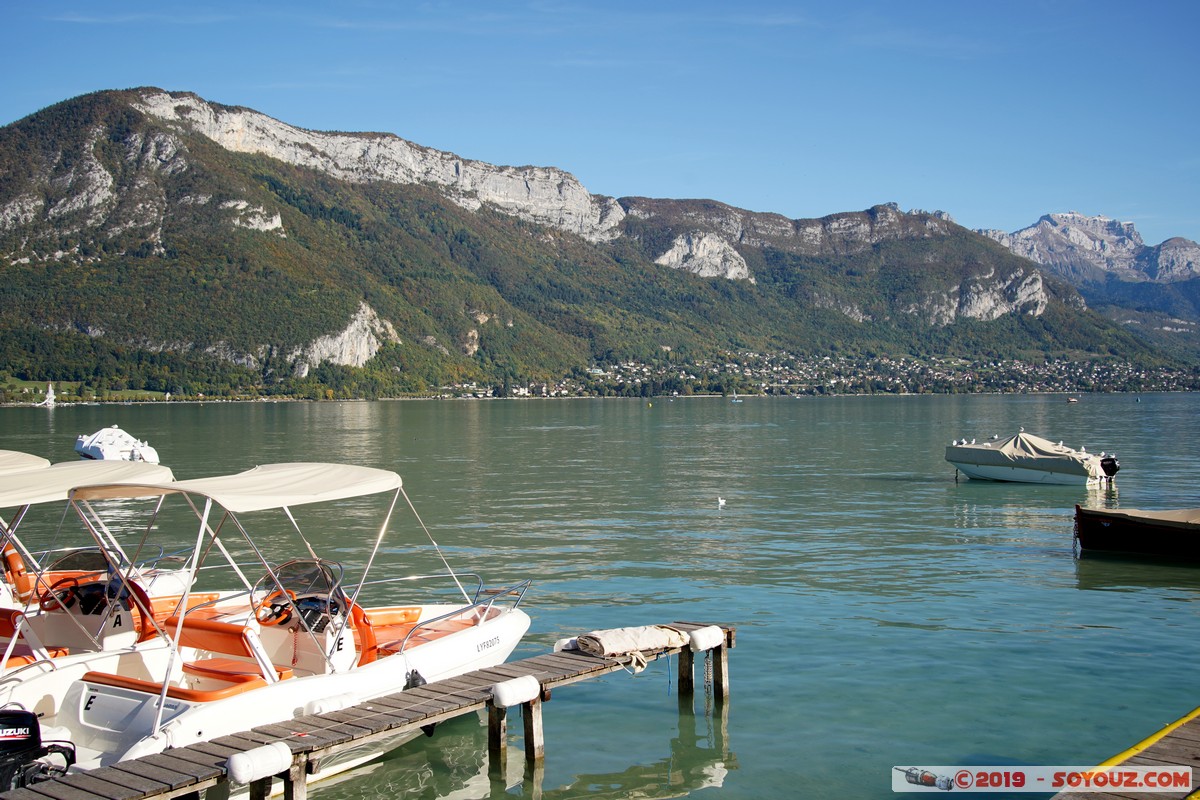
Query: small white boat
295	641
1025	458
50	401
114	444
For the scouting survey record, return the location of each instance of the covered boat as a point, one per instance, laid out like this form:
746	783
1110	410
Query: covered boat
114	444
1158	533
297	638
1025	458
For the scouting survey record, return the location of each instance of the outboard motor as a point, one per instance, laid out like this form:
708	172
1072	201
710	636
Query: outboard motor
24	759
1110	466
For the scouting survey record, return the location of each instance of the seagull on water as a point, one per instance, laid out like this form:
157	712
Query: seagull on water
720	502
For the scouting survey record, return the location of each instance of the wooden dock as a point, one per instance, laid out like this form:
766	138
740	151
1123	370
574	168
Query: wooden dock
187	771
1175	745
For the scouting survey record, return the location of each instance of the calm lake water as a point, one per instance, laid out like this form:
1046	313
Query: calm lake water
886	614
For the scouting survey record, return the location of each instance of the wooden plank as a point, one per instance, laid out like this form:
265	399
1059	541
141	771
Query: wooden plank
415	709
23	794
247	740
199	759
96	786
138	784
171	778
198	772
333	723
222	750
61	791
300	738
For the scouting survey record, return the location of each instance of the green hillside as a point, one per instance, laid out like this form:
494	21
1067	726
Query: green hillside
189	303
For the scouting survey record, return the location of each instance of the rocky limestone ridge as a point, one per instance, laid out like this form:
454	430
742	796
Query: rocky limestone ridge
544	195
1176	259
843	233
1088	249
986	298
707	255
76	192
363	337
716	230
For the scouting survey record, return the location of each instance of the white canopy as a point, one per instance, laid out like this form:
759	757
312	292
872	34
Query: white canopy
55	482
14	461
265	487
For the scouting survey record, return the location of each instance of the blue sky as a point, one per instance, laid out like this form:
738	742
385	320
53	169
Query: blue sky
996	112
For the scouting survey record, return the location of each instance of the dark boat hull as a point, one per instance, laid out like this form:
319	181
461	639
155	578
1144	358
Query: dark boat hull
1171	534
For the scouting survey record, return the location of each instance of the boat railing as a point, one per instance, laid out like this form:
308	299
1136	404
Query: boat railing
478	611
458	578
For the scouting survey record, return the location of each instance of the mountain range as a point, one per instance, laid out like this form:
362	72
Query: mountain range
154	239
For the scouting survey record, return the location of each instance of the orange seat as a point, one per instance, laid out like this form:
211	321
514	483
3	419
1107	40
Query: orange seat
221	668
237	685
226	638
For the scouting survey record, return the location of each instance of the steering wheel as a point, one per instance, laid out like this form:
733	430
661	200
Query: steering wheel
276	608
60	596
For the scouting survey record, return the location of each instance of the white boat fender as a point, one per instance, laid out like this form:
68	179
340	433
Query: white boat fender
261	762
516	691
706	638
325	705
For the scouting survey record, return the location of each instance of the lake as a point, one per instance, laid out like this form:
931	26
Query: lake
886	614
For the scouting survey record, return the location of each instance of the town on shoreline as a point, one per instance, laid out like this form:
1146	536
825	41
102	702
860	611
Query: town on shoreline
741	373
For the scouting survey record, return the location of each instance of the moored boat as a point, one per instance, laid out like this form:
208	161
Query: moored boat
1025	458
1175	533
114	444
297	642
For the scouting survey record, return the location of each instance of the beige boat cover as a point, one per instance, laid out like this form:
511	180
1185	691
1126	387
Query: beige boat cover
265	487
1026	451
55	482
15	461
1180	518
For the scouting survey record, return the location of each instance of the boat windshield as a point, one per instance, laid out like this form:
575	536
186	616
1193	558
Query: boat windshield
309	576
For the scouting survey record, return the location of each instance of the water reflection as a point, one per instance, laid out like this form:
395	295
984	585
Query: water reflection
1123	572
453	765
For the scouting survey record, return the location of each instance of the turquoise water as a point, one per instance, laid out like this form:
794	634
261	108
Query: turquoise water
886	614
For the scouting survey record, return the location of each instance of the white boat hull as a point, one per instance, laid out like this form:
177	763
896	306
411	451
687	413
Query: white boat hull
983	472
113	723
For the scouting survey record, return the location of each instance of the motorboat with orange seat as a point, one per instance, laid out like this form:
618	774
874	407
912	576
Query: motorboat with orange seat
307	641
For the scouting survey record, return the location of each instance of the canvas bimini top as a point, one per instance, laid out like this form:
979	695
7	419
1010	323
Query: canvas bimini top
54	482
269	486
15	461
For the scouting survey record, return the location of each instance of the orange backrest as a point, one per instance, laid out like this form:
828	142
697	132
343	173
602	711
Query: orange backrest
211	635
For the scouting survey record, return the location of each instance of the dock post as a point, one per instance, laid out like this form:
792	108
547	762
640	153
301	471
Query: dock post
720	657
260	789
497	739
687	682
535	740
295	780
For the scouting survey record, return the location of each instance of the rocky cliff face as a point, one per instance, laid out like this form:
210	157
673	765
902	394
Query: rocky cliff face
1087	249
988	297
353	347
707	255
1175	259
544	195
